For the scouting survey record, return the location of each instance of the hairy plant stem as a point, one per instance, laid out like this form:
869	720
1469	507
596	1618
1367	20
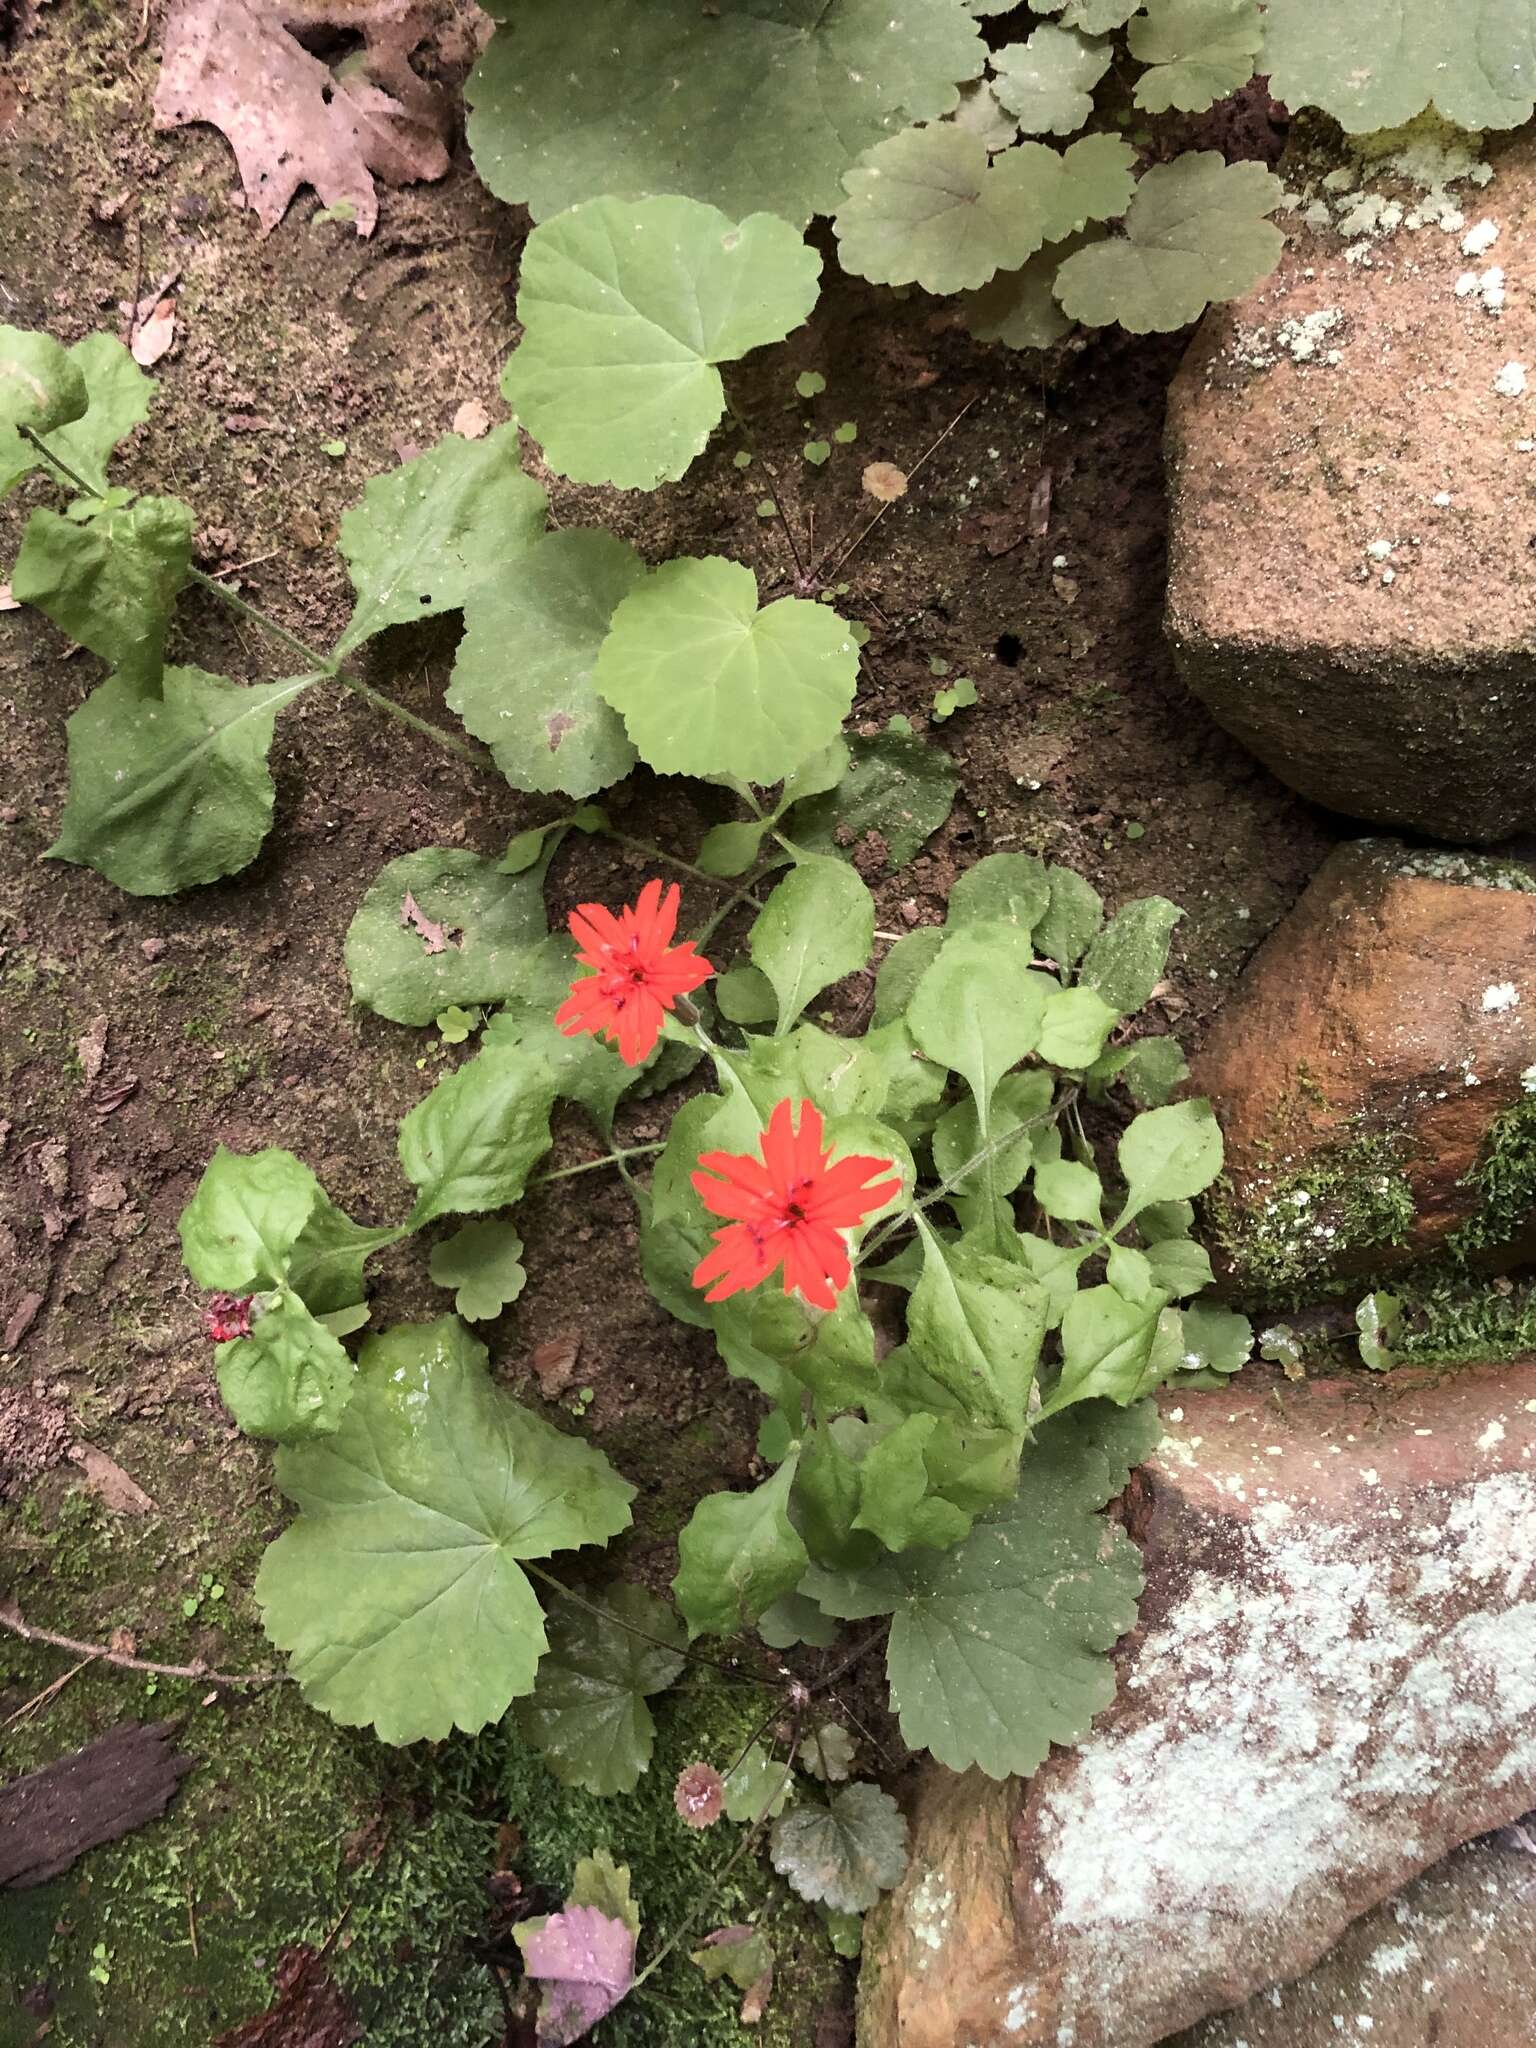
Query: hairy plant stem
659	853
614	1156
555	1585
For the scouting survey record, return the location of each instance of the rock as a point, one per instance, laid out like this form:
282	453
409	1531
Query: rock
1446	1963
1331	1684
1372	1073
1352	451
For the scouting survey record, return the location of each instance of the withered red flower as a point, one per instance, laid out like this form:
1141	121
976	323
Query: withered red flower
637	973
699	1795
226	1316
788	1208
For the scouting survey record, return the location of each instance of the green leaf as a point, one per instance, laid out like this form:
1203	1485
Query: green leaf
982	113
1068	1191
522	679
111	581
1126	961
1200	50
1020	1101
978	1008
484	1262
290	1379
744	995
789	1622
166	793
249	1211
1378	63
996	1646
1077	1021
1169	1154
326	1259
757	1788
843	1854
587	1715
930	207
1003	888
424	536
1093	17
118	396
730	849
817	926
1152	1069
896	1498
738	1554
397	1592
443	926
627	306
750	105
473	1142
1018	307
1180	1267
601	1883
1216	1339
816	453
898	788
1129	1272
976	1322
745	1959
1047	81
960	697
1195	235
1376	1319
1072	919
709	685
41	388
1106	1349
903	968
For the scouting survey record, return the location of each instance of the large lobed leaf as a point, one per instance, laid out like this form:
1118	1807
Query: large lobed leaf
751	104
587	1714
1047	81
1198	50
627	306
1377	63
397	1592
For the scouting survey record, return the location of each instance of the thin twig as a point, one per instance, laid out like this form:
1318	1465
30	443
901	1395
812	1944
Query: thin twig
11	1618
859	538
41	1699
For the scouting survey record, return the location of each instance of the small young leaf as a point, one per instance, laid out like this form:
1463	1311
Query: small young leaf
1126	961
1376	1319
412	1519
425	535
41	387
290	1379
1180	1267
471	1144
1002	888
928	206
1068	1191
1153	1068
627	306
117	400
730	849
843	1854
1077	1021
1169	1154
239	1230
827	1753
1047	81
1216	1339
978	1008
982	113
1106	1349
1199	50
587	1714
522	678
484	1262
738	1554
817	926
598	1881
110	581
1196	234
816	452
492	924
897	787
709	685
793	1620
758	1787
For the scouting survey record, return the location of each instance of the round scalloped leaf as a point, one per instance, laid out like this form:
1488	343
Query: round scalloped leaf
1195	235
1377	63
397	1592
1199	51
1047	81
751	104
627	306
168	792
1018	307
843	1854
587	1715
522	679
443	926
483	1262
709	685
982	113
1093	17
930	207
40	387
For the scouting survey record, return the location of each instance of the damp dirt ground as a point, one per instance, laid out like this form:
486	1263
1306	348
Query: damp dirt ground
227	1011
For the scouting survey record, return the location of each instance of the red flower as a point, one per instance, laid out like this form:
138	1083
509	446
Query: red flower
637	973
789	1209
226	1316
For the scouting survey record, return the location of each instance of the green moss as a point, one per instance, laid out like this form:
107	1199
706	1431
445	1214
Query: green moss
1505	1181
1349	1201
1449	1319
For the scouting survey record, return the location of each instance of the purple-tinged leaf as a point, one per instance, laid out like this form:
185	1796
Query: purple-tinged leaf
586	1962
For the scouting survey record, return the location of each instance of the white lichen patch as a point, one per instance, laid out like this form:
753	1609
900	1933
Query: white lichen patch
930	1909
1478	240
1486	287
1509	382
1500	995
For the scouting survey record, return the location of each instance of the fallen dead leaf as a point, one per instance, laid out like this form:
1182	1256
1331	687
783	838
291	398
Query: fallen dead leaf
111	1099
472	420
553	1364
309	2009
154	336
289	119
885	482
110	1483
91	1048
1040	504
433	936
22	1317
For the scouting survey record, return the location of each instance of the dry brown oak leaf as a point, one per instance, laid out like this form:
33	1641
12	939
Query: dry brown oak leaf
290	120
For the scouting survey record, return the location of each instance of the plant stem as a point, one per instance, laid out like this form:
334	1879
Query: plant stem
70	476
555	1585
10	1617
610	1158
672	860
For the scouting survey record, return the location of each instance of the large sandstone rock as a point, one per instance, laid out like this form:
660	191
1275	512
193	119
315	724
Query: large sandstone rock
1353	458
1447	1964
1332	1683
1373	1075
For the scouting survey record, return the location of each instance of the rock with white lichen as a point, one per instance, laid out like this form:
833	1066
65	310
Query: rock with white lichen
1332	1683
1374	1073
1352	456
